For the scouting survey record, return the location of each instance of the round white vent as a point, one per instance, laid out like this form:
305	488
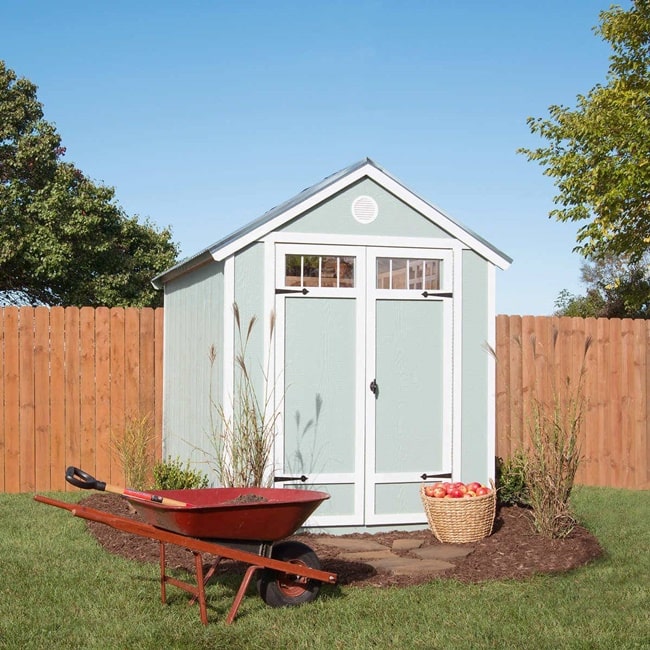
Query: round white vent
365	209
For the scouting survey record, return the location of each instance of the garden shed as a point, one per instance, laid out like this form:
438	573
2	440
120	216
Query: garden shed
379	358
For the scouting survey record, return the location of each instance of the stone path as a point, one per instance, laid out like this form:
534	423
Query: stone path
419	558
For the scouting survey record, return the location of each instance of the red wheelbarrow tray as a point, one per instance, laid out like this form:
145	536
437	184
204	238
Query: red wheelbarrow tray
231	513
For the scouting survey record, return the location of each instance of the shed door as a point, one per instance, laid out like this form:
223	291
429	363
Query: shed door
364	353
409	363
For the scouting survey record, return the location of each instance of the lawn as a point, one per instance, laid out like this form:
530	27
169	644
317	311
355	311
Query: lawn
61	590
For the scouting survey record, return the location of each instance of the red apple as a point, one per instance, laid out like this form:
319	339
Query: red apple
473	486
428	490
455	493
439	492
482	491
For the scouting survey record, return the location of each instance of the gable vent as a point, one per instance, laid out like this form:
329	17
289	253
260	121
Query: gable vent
365	209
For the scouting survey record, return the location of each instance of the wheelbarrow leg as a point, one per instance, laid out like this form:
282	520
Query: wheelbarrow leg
241	591
200	584
163	581
198	592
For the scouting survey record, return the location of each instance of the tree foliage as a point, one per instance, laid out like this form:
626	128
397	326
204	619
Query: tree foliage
64	240
599	153
616	288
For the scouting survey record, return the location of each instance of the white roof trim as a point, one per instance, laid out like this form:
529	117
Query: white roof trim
320	192
381	178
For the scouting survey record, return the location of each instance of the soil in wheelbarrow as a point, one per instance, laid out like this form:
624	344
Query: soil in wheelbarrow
513	551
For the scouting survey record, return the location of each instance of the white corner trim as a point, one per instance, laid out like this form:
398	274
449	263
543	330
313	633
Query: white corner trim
228	343
491	370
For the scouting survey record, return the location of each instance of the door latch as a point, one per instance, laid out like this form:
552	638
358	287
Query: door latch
374	389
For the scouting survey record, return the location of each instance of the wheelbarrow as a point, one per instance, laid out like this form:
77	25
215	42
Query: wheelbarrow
241	524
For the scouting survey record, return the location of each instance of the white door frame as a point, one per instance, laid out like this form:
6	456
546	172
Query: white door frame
279	243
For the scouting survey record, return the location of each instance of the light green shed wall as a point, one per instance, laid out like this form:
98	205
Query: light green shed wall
474	371
395	218
249	296
193	323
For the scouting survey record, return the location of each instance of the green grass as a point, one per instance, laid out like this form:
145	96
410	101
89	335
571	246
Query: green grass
59	589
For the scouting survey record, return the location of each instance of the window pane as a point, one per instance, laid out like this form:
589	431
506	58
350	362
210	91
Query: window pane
415	274
292	274
346	272
432	275
329	271
398	274
310	270
383	273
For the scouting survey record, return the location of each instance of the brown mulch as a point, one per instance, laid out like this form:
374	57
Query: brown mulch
513	551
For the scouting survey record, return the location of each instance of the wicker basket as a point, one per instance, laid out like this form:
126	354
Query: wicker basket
458	521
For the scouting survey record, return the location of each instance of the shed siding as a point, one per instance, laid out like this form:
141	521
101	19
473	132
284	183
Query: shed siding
475	365
193	323
395	218
249	296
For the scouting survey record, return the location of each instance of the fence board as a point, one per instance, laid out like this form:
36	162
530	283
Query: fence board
87	389
158	381
26	396
12	400
117	389
57	398
3	435
42	460
103	390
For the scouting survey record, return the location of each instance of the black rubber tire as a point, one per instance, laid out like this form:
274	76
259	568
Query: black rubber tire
283	589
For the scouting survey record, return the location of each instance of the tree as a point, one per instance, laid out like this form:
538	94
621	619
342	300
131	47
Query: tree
64	240
616	288
599	153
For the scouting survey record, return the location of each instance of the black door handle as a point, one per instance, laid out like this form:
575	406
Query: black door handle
374	389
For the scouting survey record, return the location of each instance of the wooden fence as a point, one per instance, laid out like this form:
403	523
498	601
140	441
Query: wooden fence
71	379
541	358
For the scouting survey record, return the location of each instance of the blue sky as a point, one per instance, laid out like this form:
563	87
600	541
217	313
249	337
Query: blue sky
203	115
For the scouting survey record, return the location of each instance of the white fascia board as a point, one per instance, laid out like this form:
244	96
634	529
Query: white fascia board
435	215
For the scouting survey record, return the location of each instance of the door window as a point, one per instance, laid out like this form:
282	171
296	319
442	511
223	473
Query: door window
319	271
407	273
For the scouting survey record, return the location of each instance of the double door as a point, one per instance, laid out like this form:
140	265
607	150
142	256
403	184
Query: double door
364	348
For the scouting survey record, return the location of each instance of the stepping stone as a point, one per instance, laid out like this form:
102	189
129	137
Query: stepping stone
402	566
443	552
352	545
407	544
365	556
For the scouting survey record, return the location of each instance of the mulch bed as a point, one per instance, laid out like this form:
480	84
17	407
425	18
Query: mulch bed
513	551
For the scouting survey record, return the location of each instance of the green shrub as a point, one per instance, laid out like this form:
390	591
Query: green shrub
172	474
511	480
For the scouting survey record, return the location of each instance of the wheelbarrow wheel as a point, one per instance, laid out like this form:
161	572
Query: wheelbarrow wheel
285	589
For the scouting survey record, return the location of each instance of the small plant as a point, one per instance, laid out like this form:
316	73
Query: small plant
242	443
136	452
511	479
173	474
553	455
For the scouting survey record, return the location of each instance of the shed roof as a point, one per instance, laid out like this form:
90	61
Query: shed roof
318	193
